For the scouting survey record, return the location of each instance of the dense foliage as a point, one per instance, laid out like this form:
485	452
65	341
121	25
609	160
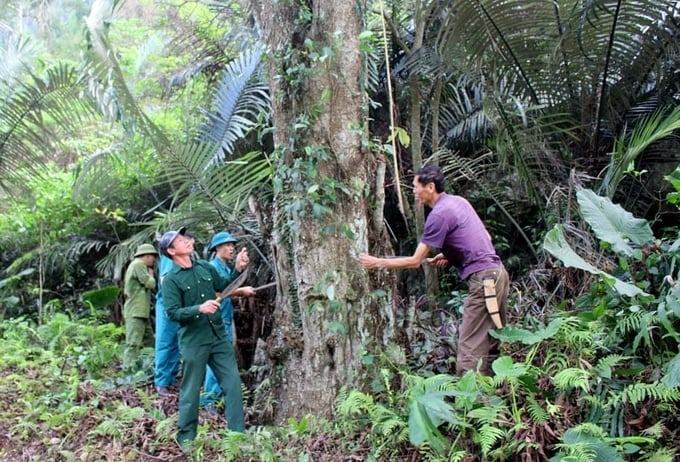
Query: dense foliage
526	104
593	380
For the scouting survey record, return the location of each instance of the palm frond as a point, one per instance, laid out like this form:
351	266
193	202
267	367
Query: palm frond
206	200
631	145
463	117
36	113
17	51
107	83
241	101
552	52
513	38
209	178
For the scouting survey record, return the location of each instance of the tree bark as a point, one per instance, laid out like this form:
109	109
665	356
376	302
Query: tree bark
325	184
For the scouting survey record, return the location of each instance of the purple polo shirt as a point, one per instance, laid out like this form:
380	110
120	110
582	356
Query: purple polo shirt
454	227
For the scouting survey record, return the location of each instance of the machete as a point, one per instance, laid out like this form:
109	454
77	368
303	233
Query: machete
266	286
233	285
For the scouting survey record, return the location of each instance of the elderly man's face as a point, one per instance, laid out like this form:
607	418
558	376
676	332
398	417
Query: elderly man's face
181	246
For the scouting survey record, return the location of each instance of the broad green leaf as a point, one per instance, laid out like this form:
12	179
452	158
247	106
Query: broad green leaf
673	303
505	367
330	292
420	426
429	407
514	334
612	224
468	391
101	298
16	277
672	373
556	244
663	318
433	402
674	180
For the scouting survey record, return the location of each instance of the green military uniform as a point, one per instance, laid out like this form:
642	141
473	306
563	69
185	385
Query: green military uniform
136	311
202	341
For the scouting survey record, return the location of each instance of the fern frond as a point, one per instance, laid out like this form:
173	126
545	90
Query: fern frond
631	321
108	427
604	365
609	361
596	400
579	452
570	324
233	441
576	334
488	415
597	403
536	411
655	431
555	360
165	428
661	455
636	392
125	413
342	395
590	429
581	340
488	436
438	382
355	403
386	421
572	378
647	322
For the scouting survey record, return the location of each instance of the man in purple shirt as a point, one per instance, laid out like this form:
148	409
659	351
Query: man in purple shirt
454	228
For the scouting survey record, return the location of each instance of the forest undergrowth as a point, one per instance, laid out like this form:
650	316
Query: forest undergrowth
589	371
561	391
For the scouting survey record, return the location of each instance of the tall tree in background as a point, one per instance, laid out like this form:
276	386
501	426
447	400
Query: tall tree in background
325	320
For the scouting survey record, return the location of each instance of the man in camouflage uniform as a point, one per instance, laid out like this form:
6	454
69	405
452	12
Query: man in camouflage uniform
139	283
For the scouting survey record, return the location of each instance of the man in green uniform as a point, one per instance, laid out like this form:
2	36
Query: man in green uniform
189	292
139	282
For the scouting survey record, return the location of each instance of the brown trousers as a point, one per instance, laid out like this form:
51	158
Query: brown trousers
476	348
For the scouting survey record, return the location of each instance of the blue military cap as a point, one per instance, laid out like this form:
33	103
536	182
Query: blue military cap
221	238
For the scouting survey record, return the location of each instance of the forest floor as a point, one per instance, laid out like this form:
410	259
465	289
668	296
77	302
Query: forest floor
129	423
25	440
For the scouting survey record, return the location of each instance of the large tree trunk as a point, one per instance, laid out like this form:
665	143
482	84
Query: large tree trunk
324	193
